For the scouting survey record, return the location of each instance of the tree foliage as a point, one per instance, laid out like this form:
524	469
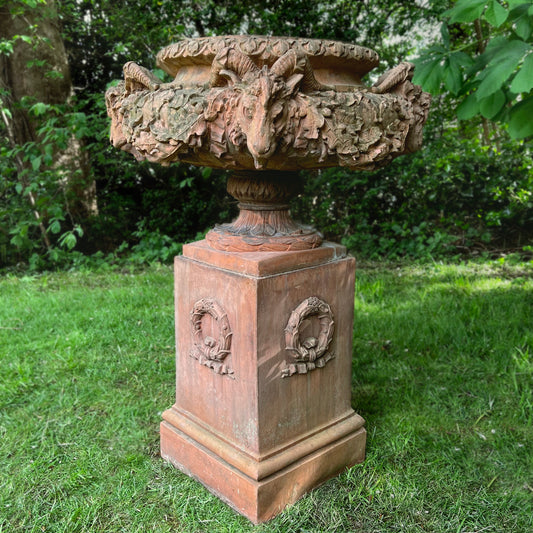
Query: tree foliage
485	59
46	186
454	196
444	198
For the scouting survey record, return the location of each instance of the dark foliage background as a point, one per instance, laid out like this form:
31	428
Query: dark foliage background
467	191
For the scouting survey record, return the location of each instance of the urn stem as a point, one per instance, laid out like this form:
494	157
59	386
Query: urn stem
264	222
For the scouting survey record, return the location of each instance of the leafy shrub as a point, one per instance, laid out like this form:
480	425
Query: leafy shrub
36	214
452	195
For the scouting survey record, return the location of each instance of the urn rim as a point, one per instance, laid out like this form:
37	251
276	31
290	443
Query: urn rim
322	53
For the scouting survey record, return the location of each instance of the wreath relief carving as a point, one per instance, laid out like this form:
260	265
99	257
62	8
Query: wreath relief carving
209	351
311	352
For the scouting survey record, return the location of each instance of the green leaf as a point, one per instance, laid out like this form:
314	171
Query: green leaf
6	47
501	67
496	14
36	163
38	109
55	226
465	11
468	108
492	50
462	59
523	27
187	182
513	4
503	49
17	241
35	63
48	150
452	75
429	75
489	107
520	123
445	34
68	240
523	81
54	75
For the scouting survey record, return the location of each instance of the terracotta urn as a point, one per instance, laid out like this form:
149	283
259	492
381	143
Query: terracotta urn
265	308
266	107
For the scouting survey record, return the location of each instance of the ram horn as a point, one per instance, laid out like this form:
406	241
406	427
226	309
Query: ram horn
137	77
394	77
290	63
229	59
286	64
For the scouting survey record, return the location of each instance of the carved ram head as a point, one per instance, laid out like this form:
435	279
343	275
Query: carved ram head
263	95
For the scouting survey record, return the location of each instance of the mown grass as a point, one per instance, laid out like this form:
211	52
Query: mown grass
442	373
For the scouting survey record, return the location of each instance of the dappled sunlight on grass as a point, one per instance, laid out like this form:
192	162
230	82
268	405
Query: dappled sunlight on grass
442	373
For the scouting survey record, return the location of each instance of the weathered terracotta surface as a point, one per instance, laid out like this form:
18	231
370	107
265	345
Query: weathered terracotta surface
264	308
264	223
260	500
269	104
246	102
271	415
261	264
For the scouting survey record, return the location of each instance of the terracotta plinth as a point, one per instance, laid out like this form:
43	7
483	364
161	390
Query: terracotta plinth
263	374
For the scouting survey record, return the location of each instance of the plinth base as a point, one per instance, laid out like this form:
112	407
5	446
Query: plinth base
261	500
263	374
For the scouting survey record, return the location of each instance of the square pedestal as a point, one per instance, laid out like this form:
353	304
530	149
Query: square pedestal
263	374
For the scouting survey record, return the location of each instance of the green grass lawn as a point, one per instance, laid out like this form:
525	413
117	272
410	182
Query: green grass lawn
442	373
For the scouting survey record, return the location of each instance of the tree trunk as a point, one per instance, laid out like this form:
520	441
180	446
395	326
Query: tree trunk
38	68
